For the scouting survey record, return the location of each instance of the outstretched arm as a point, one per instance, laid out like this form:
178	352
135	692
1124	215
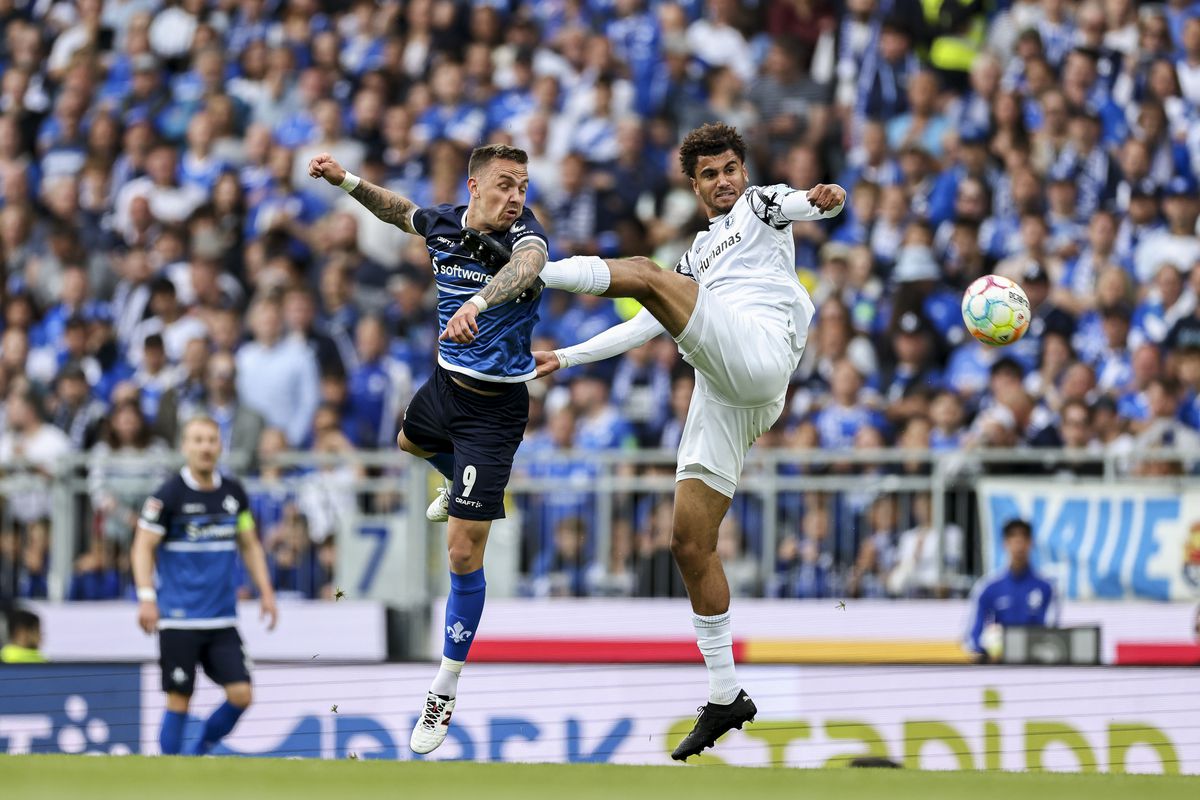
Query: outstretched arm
528	258
383	203
616	340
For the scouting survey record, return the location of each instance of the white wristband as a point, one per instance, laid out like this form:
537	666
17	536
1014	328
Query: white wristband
350	182
479	303
147	595
564	361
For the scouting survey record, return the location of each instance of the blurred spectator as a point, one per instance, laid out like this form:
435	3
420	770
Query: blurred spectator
28	445
277	376
1016	596
75	411
560	571
155	377
600	425
124	466
379	388
1178	243
654	568
740	566
927	559
98	575
240	426
846	413
169	320
24	639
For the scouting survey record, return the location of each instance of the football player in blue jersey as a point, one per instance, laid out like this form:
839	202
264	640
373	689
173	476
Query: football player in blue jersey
468	419
186	544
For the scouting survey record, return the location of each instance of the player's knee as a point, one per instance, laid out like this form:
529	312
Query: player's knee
239	694
464	557
689	554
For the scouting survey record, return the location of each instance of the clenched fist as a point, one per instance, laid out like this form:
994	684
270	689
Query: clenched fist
826	196
462	327
325	166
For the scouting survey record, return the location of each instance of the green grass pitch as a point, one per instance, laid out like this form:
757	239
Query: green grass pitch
91	778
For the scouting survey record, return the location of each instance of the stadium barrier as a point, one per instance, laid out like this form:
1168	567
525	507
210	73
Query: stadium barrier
372	504
1012	718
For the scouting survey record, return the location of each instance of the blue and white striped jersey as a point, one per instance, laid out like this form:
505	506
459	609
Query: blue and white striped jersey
196	569
501	351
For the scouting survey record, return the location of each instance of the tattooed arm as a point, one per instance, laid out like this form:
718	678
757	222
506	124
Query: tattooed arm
387	205
528	258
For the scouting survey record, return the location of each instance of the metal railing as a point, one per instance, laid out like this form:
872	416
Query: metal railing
606	510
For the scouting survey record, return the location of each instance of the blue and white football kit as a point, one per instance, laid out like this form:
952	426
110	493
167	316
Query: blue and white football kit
197	579
480	431
471	415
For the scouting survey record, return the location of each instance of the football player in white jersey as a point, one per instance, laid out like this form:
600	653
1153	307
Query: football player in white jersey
740	317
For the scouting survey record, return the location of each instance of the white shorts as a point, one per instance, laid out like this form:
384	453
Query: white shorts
742	372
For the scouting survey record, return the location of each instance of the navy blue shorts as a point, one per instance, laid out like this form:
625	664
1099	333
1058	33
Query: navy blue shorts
218	650
483	432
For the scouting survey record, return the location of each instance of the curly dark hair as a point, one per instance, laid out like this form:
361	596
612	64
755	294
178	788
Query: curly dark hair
710	139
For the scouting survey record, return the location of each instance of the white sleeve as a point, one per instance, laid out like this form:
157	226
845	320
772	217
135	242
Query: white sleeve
795	206
614	341
780	205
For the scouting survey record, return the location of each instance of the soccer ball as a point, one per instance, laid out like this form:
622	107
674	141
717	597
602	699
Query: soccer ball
995	310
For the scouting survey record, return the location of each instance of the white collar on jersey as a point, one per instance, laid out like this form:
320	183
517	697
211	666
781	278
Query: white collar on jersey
194	485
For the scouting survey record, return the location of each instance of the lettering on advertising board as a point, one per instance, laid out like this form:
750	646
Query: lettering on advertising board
1101	540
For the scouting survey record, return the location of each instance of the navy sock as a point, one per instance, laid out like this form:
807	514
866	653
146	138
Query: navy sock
443	463
464	608
170	735
217	727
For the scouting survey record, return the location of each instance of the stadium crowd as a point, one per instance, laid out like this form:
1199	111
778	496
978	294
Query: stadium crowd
165	254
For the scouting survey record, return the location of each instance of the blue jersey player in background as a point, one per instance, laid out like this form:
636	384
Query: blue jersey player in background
468	419
1015	597
187	543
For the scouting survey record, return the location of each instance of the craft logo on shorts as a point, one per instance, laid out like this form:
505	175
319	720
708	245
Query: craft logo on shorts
1191	556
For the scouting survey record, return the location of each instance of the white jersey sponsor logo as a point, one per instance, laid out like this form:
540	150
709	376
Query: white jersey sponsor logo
748	259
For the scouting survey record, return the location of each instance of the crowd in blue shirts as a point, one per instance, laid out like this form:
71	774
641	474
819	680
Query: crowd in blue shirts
164	252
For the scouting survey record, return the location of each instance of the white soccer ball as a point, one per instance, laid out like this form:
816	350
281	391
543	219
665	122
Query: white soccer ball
995	310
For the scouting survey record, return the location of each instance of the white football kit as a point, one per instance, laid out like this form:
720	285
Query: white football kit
744	338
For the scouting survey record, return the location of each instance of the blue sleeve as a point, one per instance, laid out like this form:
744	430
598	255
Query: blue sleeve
239	493
422	218
981	612
156	510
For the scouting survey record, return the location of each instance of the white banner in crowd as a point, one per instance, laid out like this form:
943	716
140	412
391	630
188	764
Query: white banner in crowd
1072	719
1101	540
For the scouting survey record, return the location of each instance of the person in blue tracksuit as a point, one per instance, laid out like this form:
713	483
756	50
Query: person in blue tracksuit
1016	596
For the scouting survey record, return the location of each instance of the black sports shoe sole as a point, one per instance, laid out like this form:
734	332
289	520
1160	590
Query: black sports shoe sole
721	726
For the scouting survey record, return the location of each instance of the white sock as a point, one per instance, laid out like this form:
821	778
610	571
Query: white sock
715	640
578	274
445	682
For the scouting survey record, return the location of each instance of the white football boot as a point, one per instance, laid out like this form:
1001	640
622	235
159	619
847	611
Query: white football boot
439	509
431	728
